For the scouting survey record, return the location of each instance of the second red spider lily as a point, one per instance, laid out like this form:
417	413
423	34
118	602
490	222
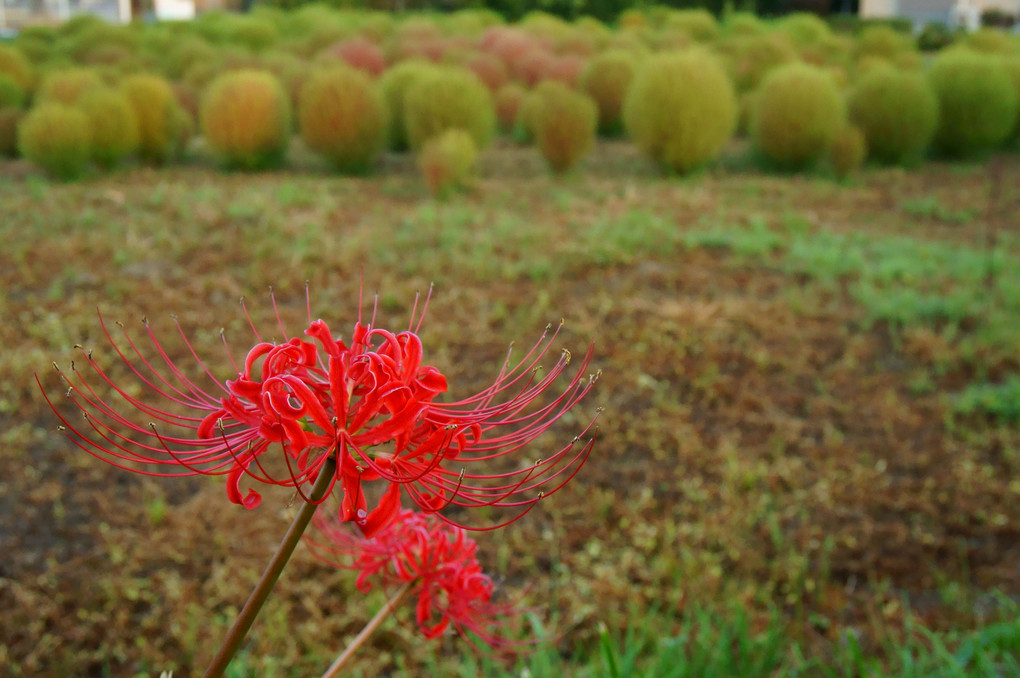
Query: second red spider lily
370	404
437	560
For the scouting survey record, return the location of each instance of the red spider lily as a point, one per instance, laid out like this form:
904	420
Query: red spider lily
371	404
436	558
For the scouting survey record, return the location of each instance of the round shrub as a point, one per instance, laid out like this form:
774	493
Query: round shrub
67	86
489	68
359	53
606	80
446	160
743	23
797	112
449	98
15	65
681	128
753	57
804	29
848	150
394	84
245	119
163	126
509	99
114	125
57	138
342	115
564	123
977	102
992	41
698	24
883	42
897	111
11	94
10	118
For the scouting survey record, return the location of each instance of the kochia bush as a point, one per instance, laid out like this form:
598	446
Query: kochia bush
446	160
14	64
341	115
11	93
606	80
563	123
10	118
977	102
67	86
58	139
681	128
449	98
114	125
163	126
245	118
509	99
848	150
797	112
395	84
897	111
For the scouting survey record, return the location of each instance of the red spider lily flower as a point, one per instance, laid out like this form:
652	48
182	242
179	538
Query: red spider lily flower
436	558
370	403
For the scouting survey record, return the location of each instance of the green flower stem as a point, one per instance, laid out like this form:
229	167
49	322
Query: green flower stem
265	585
370	627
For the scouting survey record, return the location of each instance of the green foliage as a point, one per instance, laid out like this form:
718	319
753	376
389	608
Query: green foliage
245	119
882	42
11	94
445	98
395	84
992	41
698	24
163	126
10	117
848	150
752	58
999	402
446	160
1012	66
67	86
804	29
796	115
114	125
934	37
897	111
606	79
977	102
681	128
15	65
57	138
564	123
342	115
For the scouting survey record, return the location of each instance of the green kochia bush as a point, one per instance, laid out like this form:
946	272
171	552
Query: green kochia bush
15	65
113	123
395	84
67	86
341	114
977	102
897	111
681	127
58	138
11	93
797	112
10	118
245	119
606	79
564	123
446	160
449	98
848	150
163	126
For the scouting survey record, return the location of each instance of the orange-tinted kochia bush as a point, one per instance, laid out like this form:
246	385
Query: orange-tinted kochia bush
342	116
563	123
245	119
606	79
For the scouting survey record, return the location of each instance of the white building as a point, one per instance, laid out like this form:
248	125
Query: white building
949	12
